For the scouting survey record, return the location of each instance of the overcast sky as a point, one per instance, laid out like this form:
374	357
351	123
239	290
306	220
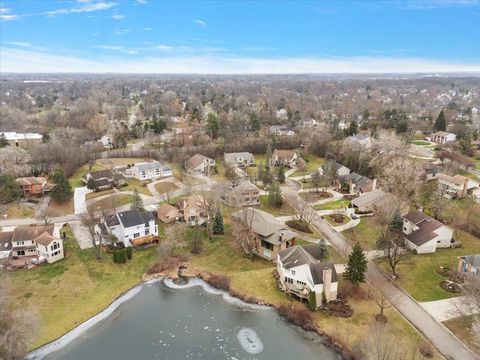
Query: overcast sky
147	36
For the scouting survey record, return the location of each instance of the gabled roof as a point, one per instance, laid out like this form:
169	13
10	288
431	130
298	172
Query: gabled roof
284	154
165	209
26	181
367	198
45	239
261	222
196	160
232	157
148	166
317	272
6	240
245	186
102	174
131	218
473	260
426	228
24	233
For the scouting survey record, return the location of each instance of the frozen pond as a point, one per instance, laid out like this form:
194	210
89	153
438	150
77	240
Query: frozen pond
166	321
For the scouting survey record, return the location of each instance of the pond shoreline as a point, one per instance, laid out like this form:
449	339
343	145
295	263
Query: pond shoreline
190	274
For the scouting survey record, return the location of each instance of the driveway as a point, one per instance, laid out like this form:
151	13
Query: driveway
447	343
82	235
446	309
79	199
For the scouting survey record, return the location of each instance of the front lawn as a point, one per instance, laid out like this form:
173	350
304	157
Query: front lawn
165	187
418	274
18	210
118	200
78	287
339	204
313	163
366	233
97	194
462	328
133	184
284	210
420	142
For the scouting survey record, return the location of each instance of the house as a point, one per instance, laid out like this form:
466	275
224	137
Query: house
362	140
301	273
238	159
356	183
35	241
132	227
150	170
5	244
282	114
377	200
279	130
200	164
456	187
24	140
167	213
307	123
286	158
193	210
269	235
341	169
424	234
34	185
430	171
244	194
103	179
469	264
442	137
106	141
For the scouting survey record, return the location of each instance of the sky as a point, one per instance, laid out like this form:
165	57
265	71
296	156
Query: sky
230	37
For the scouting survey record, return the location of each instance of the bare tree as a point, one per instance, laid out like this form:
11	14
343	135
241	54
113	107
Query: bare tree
90	219
305	213
243	233
394	253
210	206
231	175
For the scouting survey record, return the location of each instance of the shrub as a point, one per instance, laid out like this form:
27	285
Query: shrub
221	282
312	301
426	350
297	315
129	253
299	225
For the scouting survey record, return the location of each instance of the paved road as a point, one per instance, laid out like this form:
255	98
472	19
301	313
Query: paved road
447	309
447	343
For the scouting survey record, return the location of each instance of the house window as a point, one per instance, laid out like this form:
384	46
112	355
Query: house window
136	235
147	231
266	245
301	283
20	242
55	246
293	272
288	280
267	253
404	229
20	253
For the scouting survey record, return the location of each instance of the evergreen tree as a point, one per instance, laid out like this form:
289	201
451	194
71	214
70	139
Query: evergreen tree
260	171
218	228
356	266
213	124
197	242
137	203
312	300
9	189
275	195
323	249
268	155
62	191
255	123
91	184
440	123
316	180
281	174
3	140
352	129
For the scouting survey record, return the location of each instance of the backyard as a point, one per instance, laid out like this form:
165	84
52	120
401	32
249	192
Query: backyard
313	163
165	187
284	210
366	233
79	283
333	205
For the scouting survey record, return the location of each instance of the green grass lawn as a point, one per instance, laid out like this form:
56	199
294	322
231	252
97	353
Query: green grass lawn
136	184
94	195
18	210
284	210
418	277
78	287
333	205
331	219
313	163
366	233
420	142
119	200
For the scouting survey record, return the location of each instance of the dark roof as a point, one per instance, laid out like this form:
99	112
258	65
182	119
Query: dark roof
46	239
473	260
6	240
103	182
317	272
427	227
134	217
97	175
112	220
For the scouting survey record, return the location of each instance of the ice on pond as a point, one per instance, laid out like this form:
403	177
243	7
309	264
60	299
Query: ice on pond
250	341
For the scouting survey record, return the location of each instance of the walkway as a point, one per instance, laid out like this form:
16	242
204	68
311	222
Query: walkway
79	199
447	343
446	309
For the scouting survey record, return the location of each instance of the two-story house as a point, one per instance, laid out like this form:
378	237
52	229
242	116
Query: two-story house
456	187
301	272
356	183
132	227
244	194
103	179
36	240
286	158
34	185
150	170
341	170
200	164
238	159
193	211
425	234
269	235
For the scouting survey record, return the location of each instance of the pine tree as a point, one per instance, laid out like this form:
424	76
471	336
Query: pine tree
91	184
3	140
137	203
213	124
218	228
323	249
281	174
255	123
275	195
440	123
356	266
62	191
316	180
352	129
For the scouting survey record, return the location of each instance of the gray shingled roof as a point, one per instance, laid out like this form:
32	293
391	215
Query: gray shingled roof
134	217
427	227
148	166
473	260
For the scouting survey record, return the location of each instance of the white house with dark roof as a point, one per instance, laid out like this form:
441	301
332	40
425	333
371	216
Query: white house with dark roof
442	137
425	234
132	227
150	170
301	272
362	140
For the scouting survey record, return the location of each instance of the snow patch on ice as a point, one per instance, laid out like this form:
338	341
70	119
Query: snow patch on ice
251	343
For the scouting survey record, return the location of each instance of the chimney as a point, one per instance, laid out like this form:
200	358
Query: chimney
327	282
374	184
